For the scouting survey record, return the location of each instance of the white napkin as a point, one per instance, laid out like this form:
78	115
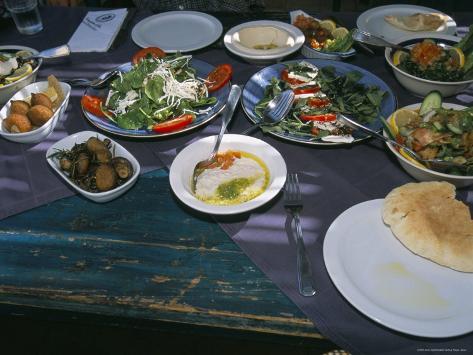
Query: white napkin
97	31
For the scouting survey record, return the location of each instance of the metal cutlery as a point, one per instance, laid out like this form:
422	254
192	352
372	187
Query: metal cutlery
95	83
227	115
293	204
368	38
275	111
55	52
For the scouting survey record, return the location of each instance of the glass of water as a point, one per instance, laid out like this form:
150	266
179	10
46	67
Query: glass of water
26	15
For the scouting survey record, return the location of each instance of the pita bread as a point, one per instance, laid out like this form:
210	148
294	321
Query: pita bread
427	219
417	22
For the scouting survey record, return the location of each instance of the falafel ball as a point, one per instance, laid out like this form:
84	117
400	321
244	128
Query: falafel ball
39	115
17	123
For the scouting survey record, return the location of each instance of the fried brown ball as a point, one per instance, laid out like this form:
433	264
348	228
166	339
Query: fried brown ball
17	123
122	167
81	165
41	99
19	106
94	145
39	114
103	156
105	177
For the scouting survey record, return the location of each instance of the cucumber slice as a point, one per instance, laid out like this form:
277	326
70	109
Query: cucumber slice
438	126
454	129
431	102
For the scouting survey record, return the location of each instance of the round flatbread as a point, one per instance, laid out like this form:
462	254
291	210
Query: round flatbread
430	222
417	22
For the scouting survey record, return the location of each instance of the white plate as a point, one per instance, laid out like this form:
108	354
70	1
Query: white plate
372	21
118	150
390	284
182	167
175	31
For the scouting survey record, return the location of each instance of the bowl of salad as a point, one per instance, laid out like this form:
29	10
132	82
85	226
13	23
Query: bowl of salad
435	130
440	62
16	73
324	39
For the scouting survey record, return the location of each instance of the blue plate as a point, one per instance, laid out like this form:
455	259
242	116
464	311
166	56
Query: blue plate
202	70
255	87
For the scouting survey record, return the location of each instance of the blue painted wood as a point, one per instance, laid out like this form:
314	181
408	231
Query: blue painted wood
141	256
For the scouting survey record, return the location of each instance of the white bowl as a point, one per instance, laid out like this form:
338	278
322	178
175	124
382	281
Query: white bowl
118	150
180	174
421	173
241	39
421	86
40	133
7	91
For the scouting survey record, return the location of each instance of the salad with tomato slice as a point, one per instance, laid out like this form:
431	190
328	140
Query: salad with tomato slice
161	93
321	93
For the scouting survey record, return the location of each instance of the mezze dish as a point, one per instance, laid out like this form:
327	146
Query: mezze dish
322	89
158	95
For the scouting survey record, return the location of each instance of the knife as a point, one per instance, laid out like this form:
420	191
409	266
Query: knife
122	33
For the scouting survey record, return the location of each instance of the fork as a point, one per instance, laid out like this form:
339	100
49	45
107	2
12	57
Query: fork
95	83
293	203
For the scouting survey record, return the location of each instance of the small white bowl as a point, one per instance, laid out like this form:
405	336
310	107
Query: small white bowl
118	150
40	133
7	91
241	39
423	174
182	168
422	87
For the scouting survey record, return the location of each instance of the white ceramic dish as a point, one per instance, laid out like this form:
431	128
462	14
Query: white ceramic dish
180	174
7	91
174	31
422	87
423	174
119	151
40	133
373	21
309	52
241	39
390	284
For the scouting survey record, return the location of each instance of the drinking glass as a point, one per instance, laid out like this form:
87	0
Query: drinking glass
26	15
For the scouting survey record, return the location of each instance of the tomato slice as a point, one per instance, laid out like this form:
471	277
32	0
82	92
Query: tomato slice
317	102
287	79
93	105
326	117
173	124
219	77
308	90
153	52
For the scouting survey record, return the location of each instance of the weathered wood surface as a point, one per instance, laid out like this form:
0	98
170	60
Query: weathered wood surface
141	256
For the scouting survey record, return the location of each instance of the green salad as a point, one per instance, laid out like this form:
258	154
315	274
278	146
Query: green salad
156	90
321	94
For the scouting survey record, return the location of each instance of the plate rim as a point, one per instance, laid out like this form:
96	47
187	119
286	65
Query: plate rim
360	301
218	26
96	124
249	114
449	30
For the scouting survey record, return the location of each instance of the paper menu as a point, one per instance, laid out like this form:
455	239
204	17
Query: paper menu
97	31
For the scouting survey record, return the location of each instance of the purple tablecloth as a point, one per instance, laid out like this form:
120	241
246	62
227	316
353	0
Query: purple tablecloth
333	179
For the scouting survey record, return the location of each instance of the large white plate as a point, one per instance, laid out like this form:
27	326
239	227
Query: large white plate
372	21
182	167
390	284
175	31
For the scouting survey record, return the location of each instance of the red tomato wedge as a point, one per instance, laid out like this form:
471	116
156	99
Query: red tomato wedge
154	52
317	102
174	124
309	90
326	117
287	79
93	105
219	77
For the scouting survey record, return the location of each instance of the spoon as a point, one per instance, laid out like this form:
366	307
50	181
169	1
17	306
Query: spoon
55	52
368	38
433	164
233	98
275	111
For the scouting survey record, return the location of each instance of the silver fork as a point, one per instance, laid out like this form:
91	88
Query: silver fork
293	203
95	83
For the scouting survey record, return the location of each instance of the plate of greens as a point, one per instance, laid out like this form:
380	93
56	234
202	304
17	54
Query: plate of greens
322	89
155	97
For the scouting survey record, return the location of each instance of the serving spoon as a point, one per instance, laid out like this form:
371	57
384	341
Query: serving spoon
438	165
368	38
55	52
275	111
227	115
